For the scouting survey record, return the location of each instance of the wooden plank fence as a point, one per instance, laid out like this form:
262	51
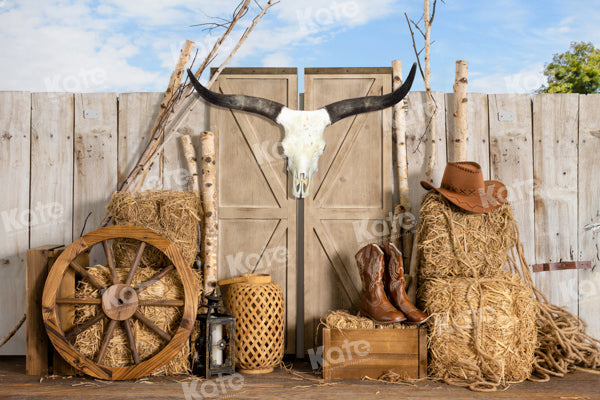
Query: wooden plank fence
63	154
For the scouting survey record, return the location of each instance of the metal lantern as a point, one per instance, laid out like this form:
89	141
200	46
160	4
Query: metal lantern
214	352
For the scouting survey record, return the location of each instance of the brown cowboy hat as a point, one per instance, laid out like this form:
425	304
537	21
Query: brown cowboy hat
463	186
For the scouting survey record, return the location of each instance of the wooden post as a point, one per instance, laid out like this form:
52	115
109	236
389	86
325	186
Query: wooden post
36	362
460	111
399	132
209	200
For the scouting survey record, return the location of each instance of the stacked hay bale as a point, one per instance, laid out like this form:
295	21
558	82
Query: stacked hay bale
175	216
483	319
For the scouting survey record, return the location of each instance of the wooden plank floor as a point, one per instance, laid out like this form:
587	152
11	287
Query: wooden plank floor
14	384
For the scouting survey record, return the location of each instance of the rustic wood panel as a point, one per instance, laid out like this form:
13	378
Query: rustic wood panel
257	213
137	113
350	196
478	147
15	118
175	172
52	168
555	120
589	210
511	159
417	144
95	173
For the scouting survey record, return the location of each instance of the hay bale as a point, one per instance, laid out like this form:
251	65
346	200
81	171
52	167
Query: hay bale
341	319
453	242
173	215
148	343
480	329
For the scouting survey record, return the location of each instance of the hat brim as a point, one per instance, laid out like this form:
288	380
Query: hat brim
491	198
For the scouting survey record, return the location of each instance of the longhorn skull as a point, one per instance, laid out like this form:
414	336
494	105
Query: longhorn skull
303	141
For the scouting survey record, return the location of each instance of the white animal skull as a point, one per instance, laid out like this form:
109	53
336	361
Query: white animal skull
303	141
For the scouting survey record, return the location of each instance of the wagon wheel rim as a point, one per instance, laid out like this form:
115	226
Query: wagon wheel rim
119	303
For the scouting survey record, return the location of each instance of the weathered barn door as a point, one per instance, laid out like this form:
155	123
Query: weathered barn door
350	195
257	213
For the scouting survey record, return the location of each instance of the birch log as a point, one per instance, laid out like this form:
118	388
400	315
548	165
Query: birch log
431	106
399	131
192	162
460	112
211	221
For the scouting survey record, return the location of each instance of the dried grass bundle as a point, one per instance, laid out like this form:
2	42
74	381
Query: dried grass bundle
173	215
480	329
458	243
341	319
148	343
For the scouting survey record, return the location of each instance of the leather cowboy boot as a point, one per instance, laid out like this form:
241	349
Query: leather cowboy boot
373	301
395	284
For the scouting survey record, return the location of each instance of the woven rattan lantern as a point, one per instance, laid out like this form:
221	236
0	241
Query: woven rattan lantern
257	305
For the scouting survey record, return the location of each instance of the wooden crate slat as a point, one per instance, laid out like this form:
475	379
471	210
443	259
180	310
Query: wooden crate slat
355	353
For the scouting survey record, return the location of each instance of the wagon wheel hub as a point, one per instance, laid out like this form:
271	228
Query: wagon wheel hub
120	302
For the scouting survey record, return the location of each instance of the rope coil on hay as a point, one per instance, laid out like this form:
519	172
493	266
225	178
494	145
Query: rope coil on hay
465	253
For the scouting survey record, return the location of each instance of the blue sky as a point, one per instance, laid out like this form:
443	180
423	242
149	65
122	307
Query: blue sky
132	45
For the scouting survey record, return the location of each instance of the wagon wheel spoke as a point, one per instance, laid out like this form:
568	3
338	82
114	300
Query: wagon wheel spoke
107	336
79	301
75	265
136	262
85	326
132	345
110	258
162	303
152	326
157	277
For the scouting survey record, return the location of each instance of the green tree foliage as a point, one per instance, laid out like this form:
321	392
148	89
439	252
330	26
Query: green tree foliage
574	71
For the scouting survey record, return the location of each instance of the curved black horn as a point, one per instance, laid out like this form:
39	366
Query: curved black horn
346	108
257	105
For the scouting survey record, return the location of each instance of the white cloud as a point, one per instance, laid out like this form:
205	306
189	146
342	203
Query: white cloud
80	45
526	80
280	59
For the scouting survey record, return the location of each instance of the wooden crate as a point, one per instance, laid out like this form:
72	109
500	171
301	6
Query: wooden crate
41	359
355	353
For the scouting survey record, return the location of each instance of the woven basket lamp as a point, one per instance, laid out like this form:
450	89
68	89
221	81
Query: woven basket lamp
257	305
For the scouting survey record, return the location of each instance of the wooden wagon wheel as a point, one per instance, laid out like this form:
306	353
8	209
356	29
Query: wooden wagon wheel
119	303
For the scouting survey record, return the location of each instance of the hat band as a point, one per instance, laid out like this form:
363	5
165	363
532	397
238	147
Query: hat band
468	192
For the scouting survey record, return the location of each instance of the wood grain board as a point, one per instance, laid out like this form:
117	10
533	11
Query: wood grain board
350	196
555	171
589	210
15	119
257	212
356	353
96	162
